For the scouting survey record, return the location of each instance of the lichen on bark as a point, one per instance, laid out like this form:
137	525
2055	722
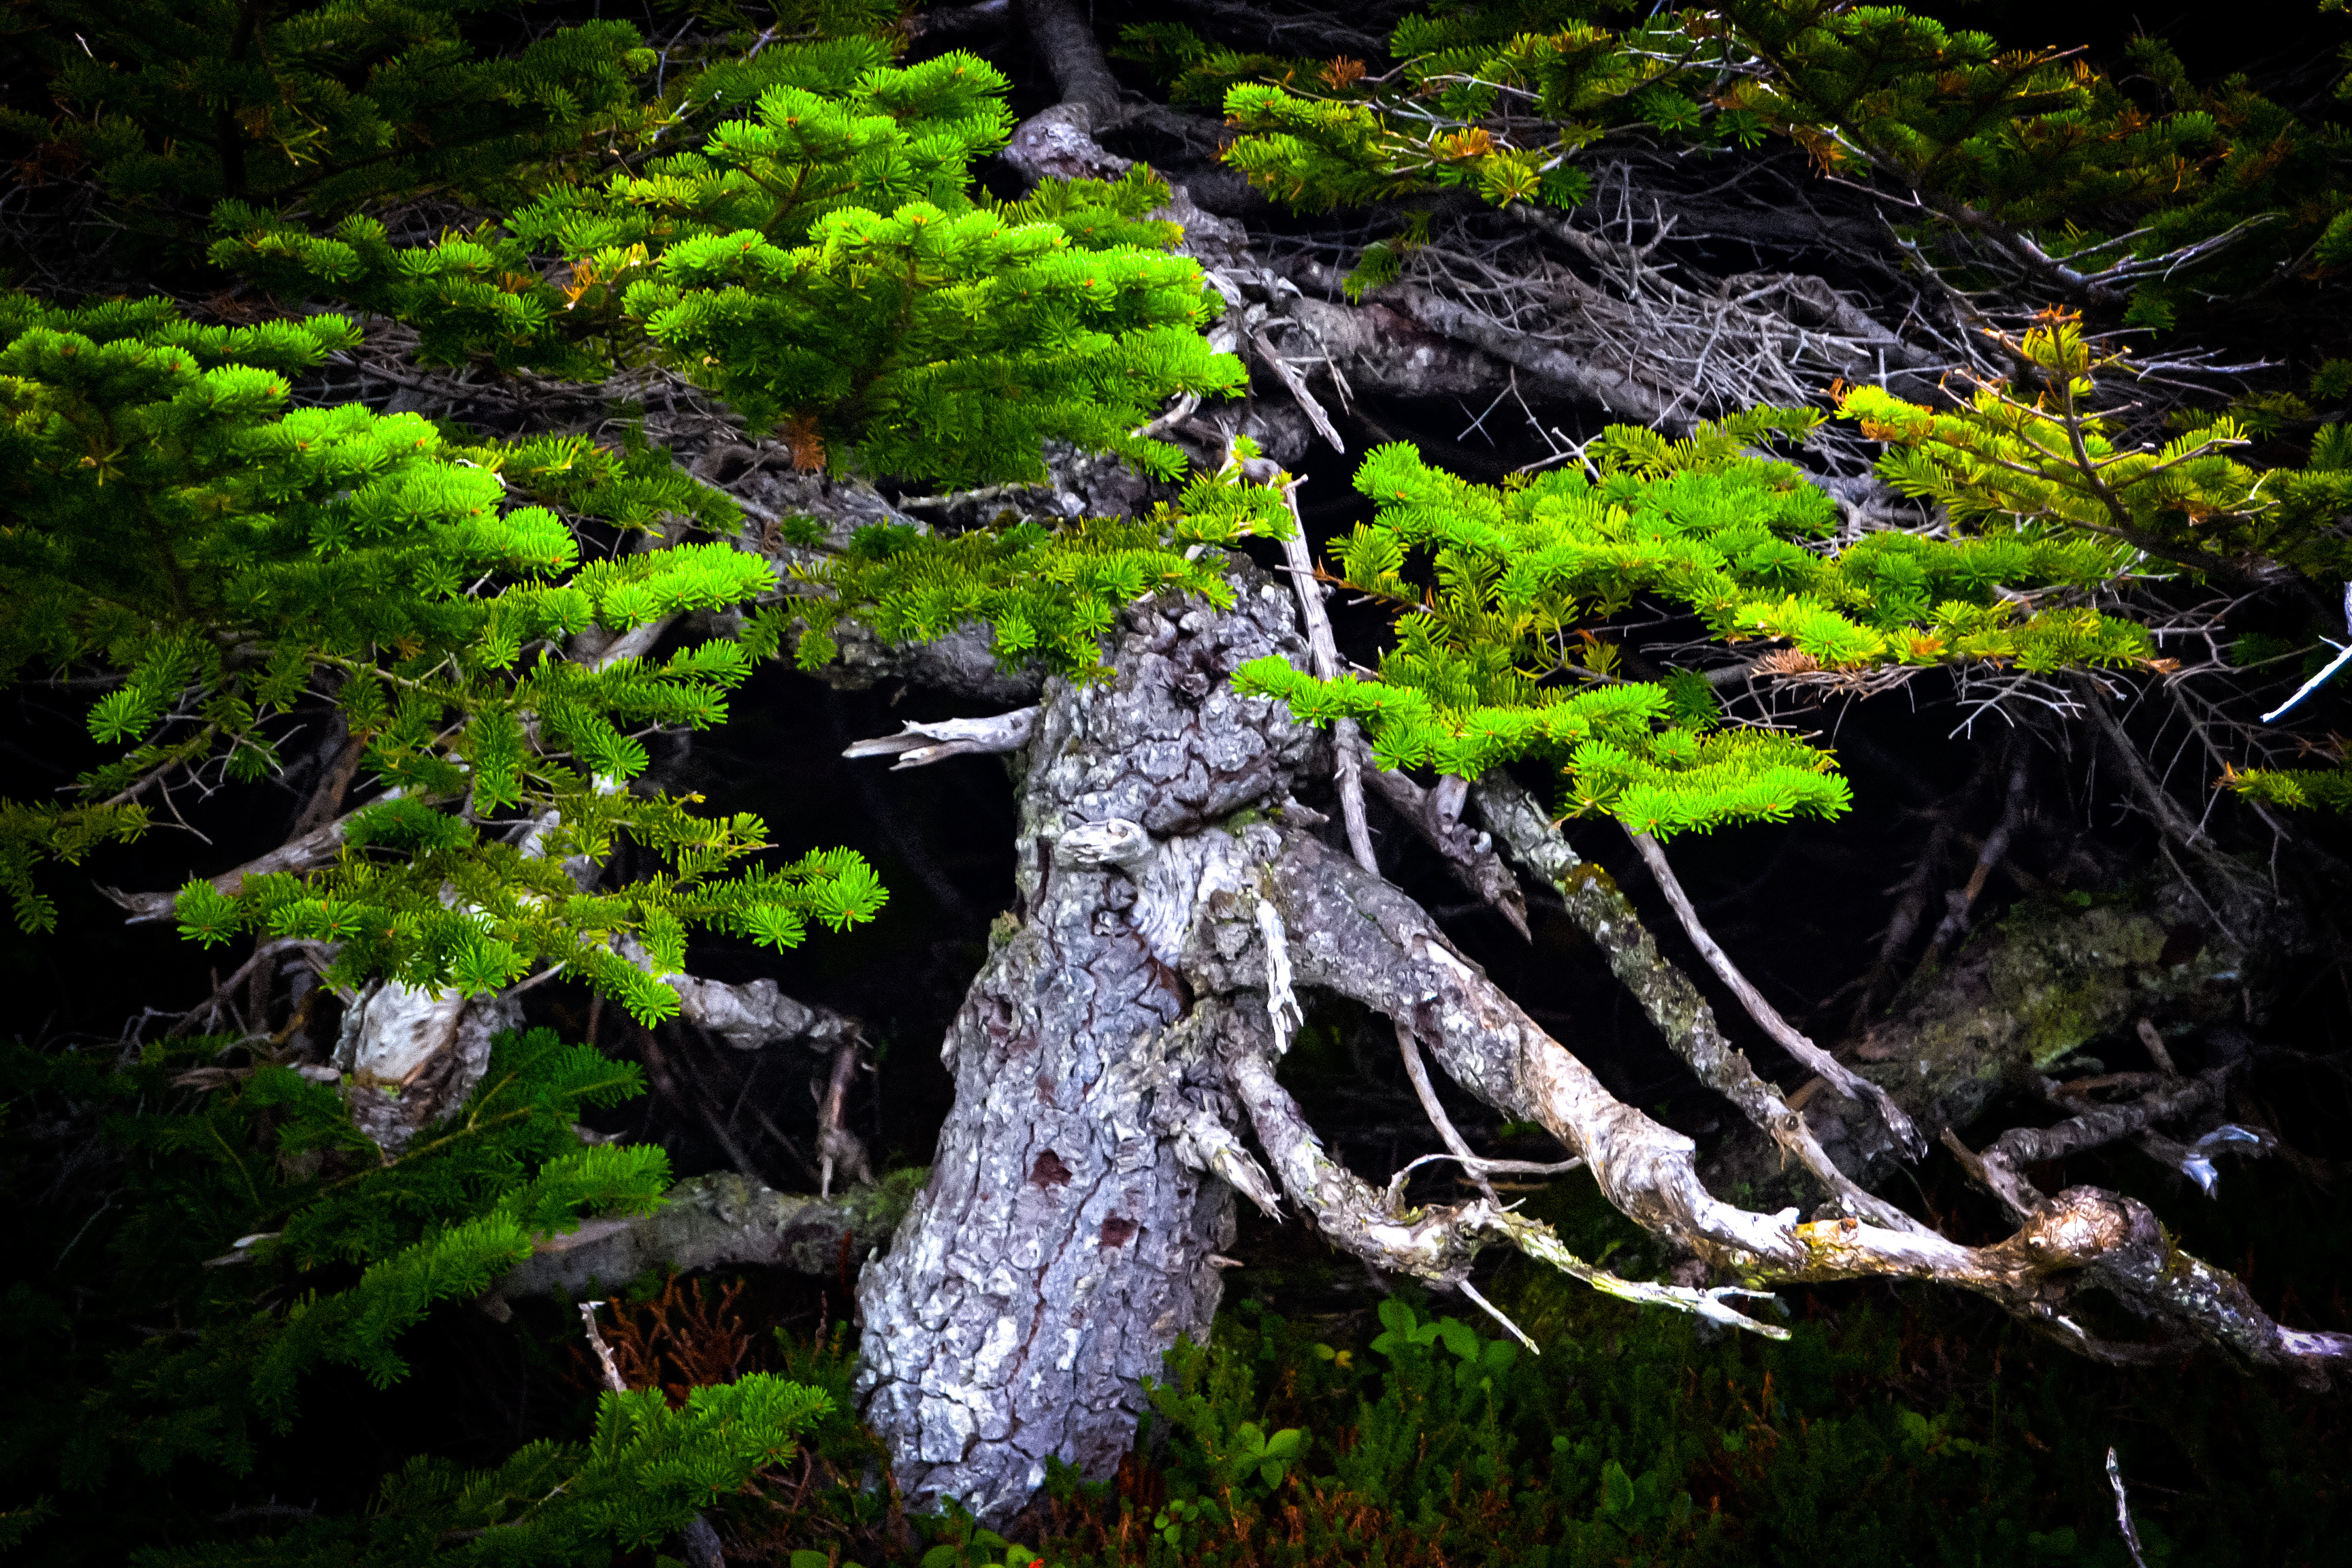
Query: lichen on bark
2052	979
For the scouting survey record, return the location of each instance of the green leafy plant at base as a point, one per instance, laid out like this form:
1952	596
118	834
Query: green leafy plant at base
1891	1430
283	1243
645	1473
265	1178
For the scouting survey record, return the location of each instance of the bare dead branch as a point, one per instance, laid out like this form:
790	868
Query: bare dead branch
1997	1169
311	850
1436	1244
1323	659
920	745
1768	1017
1674	1007
837	1147
1469	855
1372	943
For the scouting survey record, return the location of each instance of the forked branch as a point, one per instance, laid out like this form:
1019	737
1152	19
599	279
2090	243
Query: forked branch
1674	1007
1374	944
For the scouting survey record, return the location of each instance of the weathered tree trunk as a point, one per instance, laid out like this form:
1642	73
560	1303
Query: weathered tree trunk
1069	1231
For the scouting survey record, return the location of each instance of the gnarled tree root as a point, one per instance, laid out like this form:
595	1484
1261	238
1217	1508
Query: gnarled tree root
1365	940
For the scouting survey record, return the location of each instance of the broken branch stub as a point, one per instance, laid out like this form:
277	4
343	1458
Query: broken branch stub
1435	815
920	745
723	1221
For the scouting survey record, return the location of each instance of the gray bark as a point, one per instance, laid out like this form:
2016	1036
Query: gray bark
1169	903
1365	939
755	1015
723	1221
1065	1239
1676	1008
944	26
413	1056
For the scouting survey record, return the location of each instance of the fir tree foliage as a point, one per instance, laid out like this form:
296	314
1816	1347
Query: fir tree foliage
176	104
941	346
2039	450
257	1185
1047	594
819	262
2019	144
216	560
2037	455
248	1187
1502	598
647	1472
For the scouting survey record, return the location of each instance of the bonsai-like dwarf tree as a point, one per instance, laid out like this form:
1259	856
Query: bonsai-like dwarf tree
497	627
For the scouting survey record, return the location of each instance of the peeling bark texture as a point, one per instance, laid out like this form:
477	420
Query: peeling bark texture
1064	1242
1167	904
724	1221
1170	894
413	1056
2044	982
1365	940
